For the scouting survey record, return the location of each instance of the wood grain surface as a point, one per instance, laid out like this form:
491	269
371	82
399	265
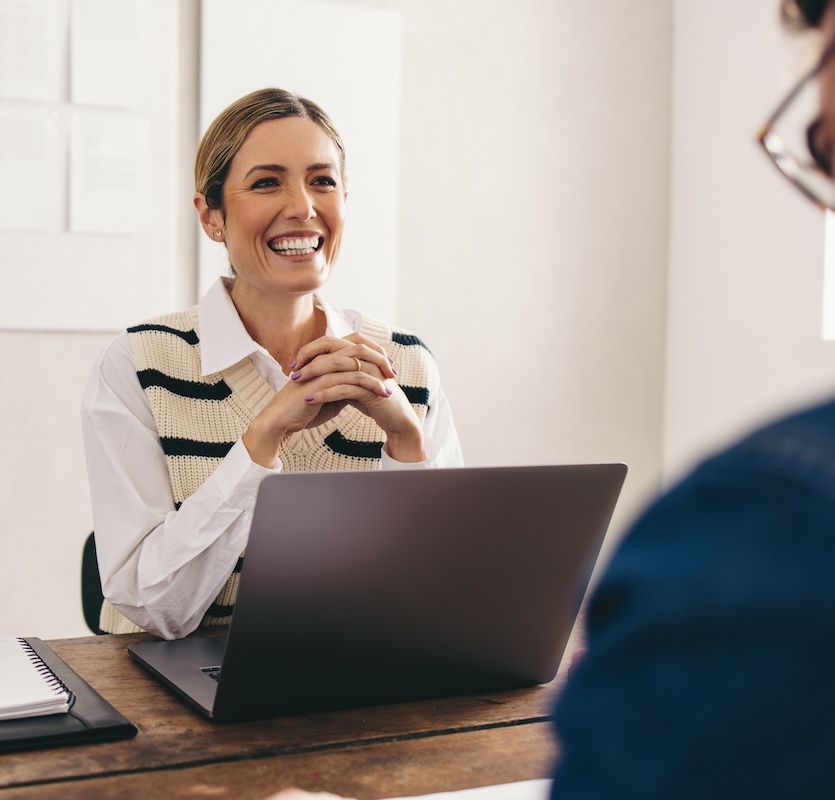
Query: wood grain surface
382	751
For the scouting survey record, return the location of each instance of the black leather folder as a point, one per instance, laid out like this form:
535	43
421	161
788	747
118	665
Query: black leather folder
90	717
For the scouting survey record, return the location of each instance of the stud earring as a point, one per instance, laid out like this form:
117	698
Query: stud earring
218	234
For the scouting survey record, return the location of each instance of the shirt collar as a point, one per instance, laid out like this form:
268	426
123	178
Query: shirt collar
224	340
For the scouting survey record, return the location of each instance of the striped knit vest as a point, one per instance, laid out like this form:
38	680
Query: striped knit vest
199	418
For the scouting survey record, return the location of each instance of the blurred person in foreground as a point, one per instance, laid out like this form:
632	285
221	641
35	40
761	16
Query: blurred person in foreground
711	646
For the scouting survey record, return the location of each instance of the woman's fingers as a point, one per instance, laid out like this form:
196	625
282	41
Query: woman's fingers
348	385
389	408
354	353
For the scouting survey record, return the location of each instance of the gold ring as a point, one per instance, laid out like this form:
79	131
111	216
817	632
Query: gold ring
359	363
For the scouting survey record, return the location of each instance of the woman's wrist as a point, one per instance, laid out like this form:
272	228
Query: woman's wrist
264	446
406	447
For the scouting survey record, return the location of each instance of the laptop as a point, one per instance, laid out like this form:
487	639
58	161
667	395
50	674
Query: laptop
365	588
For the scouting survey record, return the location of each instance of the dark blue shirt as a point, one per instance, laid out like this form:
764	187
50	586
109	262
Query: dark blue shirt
710	670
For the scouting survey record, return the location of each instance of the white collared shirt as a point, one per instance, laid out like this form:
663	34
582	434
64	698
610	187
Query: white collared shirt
163	567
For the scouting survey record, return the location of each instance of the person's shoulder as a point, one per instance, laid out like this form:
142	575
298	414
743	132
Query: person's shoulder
116	354
813	422
778	478
799	445
182	323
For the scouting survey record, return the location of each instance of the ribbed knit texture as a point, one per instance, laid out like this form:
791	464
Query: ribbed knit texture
199	418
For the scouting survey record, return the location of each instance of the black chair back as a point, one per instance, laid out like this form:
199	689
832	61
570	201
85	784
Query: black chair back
91	594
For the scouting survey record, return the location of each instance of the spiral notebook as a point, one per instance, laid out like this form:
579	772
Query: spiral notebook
29	688
44	703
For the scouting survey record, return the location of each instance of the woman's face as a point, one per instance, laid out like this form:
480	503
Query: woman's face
284	207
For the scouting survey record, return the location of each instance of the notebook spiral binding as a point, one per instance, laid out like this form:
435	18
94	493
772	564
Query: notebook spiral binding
49	677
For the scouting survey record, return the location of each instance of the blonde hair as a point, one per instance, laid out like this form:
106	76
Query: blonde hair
227	133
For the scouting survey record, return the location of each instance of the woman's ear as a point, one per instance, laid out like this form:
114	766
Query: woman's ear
211	219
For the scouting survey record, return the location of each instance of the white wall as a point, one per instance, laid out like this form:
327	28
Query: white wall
533	221
533	209
746	253
44	501
69	280
43	484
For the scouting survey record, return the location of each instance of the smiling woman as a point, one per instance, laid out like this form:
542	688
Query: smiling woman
281	222
263	375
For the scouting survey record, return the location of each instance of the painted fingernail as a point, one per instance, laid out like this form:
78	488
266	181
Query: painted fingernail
388	391
293	364
394	370
308	398
391	360
294	376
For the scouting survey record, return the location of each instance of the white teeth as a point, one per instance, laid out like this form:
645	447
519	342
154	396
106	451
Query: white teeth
295	247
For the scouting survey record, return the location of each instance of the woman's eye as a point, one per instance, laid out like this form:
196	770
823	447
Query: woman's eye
265	183
324	180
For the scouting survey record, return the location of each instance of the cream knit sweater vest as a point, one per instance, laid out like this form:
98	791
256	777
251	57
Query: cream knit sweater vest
199	418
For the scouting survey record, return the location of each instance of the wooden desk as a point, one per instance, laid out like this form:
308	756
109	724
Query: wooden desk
385	751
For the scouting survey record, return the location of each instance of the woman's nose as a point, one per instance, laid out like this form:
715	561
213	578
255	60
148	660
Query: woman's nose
298	205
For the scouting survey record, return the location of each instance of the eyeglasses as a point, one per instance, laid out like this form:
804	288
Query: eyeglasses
792	138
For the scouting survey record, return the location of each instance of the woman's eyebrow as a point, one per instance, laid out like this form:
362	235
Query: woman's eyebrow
266	168
279	168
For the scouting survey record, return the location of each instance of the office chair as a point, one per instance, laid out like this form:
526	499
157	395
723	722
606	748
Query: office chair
91	595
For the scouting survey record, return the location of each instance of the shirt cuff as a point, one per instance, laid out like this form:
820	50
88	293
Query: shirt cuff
238	477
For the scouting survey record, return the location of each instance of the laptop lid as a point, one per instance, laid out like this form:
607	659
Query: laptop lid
360	588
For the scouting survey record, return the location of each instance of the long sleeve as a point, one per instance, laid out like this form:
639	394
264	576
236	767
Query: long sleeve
160	566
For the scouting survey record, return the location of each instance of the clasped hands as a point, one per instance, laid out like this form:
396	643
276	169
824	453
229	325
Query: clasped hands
326	375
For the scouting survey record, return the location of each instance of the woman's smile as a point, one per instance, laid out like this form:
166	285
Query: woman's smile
296	245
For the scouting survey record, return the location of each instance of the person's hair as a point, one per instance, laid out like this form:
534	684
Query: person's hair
227	133
799	14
